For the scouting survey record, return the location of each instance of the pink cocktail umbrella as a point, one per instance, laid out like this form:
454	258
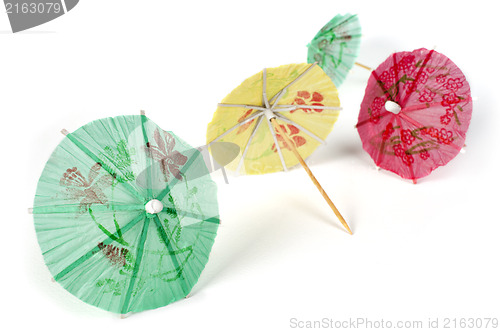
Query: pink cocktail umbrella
415	113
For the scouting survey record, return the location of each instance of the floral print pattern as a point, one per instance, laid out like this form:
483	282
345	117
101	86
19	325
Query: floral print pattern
435	103
245	126
376	106
88	189
450	99
307	98
121	158
293	133
426	96
405	157
170	160
407	137
389	129
453	84
115	255
443	136
302	98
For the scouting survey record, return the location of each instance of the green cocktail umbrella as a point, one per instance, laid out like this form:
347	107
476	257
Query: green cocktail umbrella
336	46
125	214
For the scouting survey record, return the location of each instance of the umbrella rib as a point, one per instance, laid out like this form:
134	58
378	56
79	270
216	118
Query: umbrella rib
148	158
277	145
260	108
236	126
283	118
344	21
427	58
382	86
419	107
247	146
362	123
138	260
264	87
103	165
410	167
96	249
278	97
295	80
172	183
194	215
380	152
398	81
308	106
423	106
285	109
168	245
75	208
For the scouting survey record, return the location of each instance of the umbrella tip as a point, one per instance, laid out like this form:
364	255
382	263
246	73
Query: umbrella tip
30	210
346	226
64	132
143	112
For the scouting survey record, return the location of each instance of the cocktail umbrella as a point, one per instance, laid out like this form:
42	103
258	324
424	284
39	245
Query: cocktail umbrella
336	47
415	113
278	117
121	222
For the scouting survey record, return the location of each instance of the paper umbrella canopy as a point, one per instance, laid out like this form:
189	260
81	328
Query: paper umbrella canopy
336	47
304	102
125	214
415	113
278	117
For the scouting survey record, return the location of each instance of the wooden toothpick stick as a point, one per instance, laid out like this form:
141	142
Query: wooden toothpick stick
311	175
363	66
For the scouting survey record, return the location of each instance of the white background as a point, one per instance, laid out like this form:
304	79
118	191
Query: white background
421	251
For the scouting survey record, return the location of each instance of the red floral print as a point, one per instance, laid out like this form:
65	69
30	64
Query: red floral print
169	159
441	78
389	129
293	133
453	84
406	137
376	106
445	119
410	86
245	126
388	77
374	116
426	96
424	155
88	190
398	150
407	64
445	136
306	98
407	159
401	153
450	99
378	103
422	78
442	135
430	70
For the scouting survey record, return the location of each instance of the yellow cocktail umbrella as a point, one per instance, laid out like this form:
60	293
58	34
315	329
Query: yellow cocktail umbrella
278	117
